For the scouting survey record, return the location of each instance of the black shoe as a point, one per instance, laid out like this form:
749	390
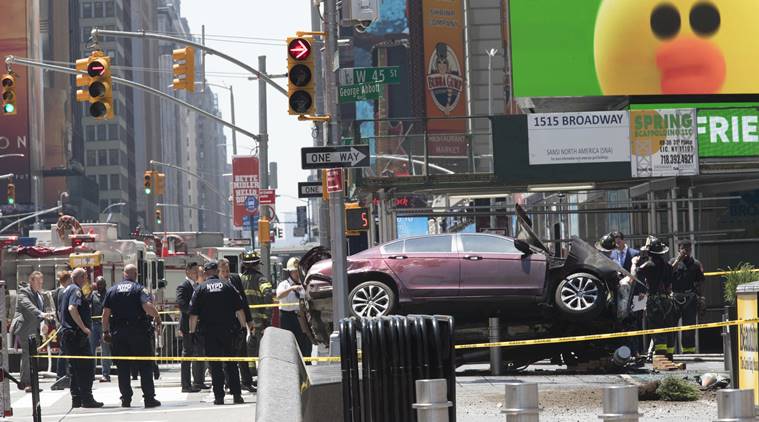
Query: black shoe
238	400
76	403
202	386
21	386
91	404
250	387
126	402
191	389
218	401
151	402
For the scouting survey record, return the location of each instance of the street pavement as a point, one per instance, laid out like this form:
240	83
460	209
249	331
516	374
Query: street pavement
176	406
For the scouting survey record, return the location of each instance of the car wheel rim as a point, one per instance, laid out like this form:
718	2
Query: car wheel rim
370	301
579	293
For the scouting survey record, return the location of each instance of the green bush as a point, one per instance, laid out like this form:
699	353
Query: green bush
742	274
677	389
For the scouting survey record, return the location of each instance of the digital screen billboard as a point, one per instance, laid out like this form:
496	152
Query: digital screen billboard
641	47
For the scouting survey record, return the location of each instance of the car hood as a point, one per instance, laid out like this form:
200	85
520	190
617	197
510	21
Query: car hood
525	231
316	254
582	254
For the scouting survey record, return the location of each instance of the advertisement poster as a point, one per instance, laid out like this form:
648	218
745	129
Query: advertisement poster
574	138
728	132
14	129
444	77
245	186
663	143
620	47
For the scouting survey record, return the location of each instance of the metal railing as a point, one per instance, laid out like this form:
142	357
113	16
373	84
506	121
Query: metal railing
168	344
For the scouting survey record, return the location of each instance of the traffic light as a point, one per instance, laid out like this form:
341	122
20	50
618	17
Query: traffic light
11	193
160	183
158	216
97	79
184	68
264	230
148	182
356	217
300	76
9	94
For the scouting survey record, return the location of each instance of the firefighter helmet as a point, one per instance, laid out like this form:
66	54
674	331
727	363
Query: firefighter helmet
251	258
606	243
654	245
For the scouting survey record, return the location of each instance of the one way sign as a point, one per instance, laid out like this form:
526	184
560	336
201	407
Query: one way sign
335	157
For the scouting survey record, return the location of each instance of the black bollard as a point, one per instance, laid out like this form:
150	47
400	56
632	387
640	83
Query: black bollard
34	379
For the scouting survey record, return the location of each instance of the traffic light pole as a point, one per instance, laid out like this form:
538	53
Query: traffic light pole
336	199
21	61
263	162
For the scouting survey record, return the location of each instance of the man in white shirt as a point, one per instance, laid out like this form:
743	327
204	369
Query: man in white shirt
289	292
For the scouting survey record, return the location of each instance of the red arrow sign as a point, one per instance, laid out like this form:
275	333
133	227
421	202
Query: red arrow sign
299	49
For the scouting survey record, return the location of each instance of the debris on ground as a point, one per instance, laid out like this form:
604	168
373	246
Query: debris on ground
677	389
647	391
711	381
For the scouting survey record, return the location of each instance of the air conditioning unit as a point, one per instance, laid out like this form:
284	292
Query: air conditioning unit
362	12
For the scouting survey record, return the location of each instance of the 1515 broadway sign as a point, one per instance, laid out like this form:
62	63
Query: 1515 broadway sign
663	143
728	132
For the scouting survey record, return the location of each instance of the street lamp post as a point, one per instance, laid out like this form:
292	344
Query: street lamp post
117	204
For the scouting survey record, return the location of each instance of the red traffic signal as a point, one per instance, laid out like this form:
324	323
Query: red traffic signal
96	68
299	49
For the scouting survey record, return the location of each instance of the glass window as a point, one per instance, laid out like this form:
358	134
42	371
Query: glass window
113	157
103	182
429	244
110	10
98	9
113	132
395	247
87	10
115	182
102	157
102	132
90	133
487	244
91	158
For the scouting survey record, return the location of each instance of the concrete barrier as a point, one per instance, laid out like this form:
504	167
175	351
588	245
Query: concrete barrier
281	376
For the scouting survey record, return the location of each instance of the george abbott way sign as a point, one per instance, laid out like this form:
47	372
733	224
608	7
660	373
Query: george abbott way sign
334	157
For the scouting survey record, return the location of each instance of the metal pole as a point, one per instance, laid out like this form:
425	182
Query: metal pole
234	132
263	162
320	207
521	404
17	60
496	359
35	215
336	199
735	405
432	400
692	229
620	403
34	378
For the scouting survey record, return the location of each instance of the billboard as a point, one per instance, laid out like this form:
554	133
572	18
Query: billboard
14	130
575	138
663	143
728	132
445	88
642	47
245	187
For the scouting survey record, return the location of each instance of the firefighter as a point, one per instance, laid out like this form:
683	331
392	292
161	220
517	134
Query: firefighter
687	275
258	291
661	311
606	244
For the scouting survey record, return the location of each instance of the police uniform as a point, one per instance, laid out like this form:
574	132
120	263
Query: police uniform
258	291
241	349
661	311
215	303
130	330
687	275
75	342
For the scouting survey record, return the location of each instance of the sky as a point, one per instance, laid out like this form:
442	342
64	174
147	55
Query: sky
266	25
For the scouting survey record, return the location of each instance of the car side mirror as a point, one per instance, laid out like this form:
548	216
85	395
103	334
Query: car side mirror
523	247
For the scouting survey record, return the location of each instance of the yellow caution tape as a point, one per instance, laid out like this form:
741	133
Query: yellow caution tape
723	273
53	334
184	358
267	305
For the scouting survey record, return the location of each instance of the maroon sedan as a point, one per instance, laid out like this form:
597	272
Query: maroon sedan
469	276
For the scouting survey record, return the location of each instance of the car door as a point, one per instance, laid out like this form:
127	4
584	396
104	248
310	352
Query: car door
427	267
492	266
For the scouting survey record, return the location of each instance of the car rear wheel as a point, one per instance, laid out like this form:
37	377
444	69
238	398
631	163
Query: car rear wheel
371	299
580	295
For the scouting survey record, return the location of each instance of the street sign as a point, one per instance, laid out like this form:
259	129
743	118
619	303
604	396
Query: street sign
360	92
309	189
334	157
334	180
356	219
267	196
251	204
363	75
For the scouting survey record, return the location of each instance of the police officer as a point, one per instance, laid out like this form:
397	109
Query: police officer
127	326
76	321
687	275
246	378
661	312
258	291
216	310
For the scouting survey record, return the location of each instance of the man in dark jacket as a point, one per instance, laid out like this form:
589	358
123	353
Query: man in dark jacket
688	274
189	348
661	312
246	378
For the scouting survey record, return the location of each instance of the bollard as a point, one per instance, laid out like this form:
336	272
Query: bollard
34	379
735	405
432	400
496	358
521	404
620	403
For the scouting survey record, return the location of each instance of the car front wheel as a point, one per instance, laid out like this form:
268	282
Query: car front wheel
371	299
580	295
